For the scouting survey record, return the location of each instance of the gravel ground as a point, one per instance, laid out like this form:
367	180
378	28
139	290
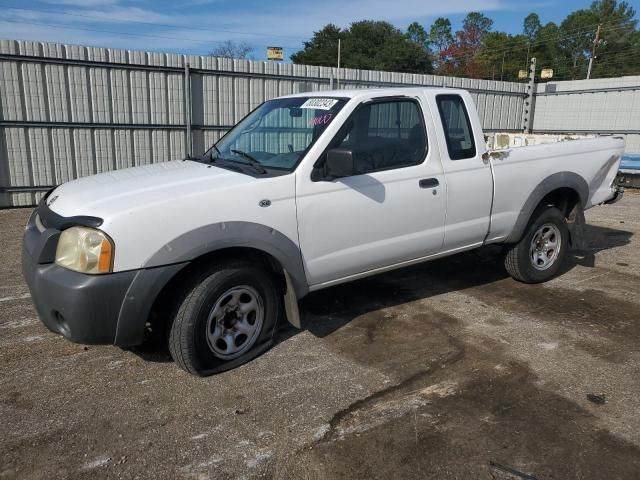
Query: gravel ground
445	370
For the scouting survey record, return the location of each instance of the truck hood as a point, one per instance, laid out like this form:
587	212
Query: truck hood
115	192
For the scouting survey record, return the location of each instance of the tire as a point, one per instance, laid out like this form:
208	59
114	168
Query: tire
225	318
539	255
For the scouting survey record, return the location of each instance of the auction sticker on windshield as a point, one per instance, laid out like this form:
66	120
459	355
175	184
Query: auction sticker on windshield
319	103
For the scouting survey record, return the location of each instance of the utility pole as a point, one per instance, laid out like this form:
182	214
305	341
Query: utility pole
187	111
338	79
502	71
528	106
593	51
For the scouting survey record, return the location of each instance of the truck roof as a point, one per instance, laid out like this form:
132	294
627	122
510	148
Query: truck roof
354	93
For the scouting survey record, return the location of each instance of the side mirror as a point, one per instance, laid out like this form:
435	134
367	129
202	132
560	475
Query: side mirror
339	163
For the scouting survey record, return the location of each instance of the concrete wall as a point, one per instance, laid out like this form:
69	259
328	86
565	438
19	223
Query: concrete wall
69	111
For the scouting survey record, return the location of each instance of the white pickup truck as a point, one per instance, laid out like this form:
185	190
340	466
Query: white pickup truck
307	192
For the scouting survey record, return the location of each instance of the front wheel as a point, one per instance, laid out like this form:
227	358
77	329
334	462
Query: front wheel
539	255
225	318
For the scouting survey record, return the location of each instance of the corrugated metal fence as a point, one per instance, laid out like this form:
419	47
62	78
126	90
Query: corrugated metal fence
70	111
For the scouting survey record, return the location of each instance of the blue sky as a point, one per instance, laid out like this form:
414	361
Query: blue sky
196	26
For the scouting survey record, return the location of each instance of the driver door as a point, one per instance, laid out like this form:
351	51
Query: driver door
392	210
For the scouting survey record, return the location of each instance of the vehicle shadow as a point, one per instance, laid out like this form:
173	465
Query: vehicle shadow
597	239
328	310
325	311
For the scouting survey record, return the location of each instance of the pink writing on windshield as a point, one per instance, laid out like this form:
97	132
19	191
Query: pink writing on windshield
321	120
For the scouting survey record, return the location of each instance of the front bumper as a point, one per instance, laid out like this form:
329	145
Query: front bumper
83	308
111	308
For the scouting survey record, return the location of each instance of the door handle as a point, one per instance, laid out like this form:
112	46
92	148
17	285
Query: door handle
428	183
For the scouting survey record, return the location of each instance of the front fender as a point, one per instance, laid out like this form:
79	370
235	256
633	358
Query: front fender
217	236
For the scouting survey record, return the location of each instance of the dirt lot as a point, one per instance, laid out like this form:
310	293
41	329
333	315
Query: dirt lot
445	370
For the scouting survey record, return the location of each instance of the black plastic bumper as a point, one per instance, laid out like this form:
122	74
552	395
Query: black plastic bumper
83	308
111	308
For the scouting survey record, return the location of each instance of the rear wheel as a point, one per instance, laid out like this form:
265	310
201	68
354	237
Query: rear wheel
227	314
539	255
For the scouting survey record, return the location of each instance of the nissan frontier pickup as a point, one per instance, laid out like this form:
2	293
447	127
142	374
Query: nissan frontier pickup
306	192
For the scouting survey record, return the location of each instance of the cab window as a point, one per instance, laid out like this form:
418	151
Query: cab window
457	127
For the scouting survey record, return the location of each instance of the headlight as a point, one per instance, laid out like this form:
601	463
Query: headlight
85	250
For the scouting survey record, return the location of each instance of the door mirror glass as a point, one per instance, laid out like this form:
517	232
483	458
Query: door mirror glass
339	163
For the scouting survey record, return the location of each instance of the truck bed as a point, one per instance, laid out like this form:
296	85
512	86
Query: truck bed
588	165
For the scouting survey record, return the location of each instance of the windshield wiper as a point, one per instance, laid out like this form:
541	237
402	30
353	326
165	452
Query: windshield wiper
252	161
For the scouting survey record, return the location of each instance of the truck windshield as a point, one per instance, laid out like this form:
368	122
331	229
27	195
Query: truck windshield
278	133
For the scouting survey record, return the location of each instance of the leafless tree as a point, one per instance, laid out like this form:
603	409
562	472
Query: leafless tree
231	49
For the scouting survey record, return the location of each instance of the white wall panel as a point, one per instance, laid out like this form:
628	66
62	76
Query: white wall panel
56	84
175	98
120	94
123	148
83	152
103	148
63	155
100	87
79	94
141	147
10	96
39	150
34	94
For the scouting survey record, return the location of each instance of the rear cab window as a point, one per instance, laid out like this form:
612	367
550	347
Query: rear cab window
457	127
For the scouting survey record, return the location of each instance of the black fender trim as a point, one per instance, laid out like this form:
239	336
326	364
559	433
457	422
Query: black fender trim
138	301
217	236
553	182
164	264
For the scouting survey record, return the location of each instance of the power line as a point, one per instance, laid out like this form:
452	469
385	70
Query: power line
564	69
550	39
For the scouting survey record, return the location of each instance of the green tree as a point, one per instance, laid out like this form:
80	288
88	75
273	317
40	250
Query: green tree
531	26
477	51
546	50
460	58
322	49
418	35
616	47
576	37
477	22
440	38
502	55
371	45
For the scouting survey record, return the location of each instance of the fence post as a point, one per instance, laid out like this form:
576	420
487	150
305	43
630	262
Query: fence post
528	106
187	110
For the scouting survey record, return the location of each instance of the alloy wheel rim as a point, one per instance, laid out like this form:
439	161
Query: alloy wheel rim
235	321
545	246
